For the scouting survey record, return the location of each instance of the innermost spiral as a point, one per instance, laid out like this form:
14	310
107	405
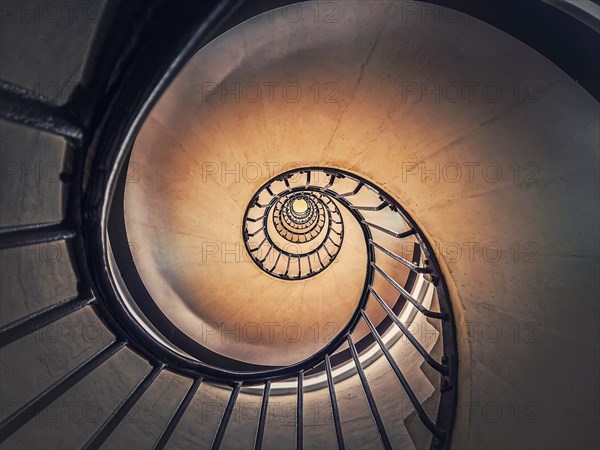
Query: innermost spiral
293	228
299	206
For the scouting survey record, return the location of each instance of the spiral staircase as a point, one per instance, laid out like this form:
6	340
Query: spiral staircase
233	231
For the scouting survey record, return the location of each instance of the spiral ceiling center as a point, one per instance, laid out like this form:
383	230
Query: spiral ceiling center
293	232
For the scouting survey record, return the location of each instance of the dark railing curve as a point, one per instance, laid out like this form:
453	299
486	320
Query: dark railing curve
115	83
121	106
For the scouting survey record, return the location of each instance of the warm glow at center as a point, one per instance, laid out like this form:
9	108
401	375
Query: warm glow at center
299	206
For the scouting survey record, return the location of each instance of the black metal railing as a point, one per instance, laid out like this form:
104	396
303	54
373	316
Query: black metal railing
116	110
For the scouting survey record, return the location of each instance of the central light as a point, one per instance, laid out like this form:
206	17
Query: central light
299	206
285	214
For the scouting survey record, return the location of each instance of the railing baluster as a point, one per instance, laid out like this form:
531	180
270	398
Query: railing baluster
119	414
260	430
21	236
276	261
331	240
267	254
334	406
41	401
411	395
33	322
369	208
426	312
166	433
428	358
287	269
256	232
401	260
300	411
330	183
320	260
218	439
359	186
365	383
259	245
390	232
21	106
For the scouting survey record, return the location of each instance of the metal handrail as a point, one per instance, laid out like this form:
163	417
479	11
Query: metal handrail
85	233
